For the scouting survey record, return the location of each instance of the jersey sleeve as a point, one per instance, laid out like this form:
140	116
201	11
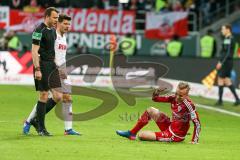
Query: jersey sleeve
195	119
165	98
37	36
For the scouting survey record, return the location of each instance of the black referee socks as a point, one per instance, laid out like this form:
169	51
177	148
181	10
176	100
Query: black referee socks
220	93
41	109
232	88
50	104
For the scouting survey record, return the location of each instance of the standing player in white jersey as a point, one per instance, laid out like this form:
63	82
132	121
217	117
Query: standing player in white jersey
60	60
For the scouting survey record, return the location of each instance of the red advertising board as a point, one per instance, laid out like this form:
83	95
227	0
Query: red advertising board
83	20
102	21
24	21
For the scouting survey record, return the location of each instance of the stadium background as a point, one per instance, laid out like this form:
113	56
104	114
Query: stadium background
18	18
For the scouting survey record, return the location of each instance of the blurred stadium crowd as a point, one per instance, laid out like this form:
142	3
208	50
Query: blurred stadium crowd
207	8
107	4
163	5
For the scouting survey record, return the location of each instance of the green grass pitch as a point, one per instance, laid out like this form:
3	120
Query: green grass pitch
219	139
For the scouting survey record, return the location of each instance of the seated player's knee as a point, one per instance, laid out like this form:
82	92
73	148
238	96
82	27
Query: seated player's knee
43	97
150	109
153	112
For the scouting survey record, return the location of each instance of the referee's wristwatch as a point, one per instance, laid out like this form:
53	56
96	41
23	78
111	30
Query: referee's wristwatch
37	69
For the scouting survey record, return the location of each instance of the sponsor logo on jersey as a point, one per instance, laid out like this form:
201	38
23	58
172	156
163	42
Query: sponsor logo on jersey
62	47
179	108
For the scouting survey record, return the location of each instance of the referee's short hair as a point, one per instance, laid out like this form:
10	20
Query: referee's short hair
63	17
49	10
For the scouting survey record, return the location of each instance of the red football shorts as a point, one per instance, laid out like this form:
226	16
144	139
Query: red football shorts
166	135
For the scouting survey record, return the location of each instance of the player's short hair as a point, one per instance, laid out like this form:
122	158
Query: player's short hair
184	85
49	10
63	17
228	26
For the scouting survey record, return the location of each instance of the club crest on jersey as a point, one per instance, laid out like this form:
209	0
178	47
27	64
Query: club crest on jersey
179	108
62	47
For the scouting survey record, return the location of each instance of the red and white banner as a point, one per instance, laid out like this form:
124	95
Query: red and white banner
24	21
166	25
101	21
83	20
4	17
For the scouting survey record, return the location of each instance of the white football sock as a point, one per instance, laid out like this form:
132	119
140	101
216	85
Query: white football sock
33	114
67	114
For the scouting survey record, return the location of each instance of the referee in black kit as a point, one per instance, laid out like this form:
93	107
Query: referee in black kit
225	65
43	55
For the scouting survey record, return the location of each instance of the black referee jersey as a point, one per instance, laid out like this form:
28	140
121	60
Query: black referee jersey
45	38
226	57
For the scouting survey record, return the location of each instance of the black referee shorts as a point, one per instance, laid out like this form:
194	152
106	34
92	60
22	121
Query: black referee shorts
50	77
225	71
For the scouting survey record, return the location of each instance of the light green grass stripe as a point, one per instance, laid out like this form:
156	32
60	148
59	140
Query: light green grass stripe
218	110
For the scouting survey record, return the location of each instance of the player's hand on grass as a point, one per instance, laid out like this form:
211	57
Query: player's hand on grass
193	142
38	75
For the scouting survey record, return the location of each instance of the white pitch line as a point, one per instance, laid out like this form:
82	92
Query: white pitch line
9	122
218	110
3	121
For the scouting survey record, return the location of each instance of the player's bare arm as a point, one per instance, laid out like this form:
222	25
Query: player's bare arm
35	57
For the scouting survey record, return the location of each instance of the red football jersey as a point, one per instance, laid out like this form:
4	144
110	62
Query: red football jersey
182	113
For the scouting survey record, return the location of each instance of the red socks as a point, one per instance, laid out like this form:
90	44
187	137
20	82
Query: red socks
162	122
142	121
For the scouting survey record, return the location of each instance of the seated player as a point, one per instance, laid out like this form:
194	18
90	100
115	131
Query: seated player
175	130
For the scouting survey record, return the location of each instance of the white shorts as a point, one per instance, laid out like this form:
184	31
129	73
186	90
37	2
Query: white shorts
66	86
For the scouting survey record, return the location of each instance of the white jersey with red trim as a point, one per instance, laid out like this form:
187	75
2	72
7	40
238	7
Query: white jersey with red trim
60	49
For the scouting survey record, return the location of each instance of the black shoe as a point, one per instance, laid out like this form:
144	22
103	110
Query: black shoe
237	103
34	123
44	132
219	103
